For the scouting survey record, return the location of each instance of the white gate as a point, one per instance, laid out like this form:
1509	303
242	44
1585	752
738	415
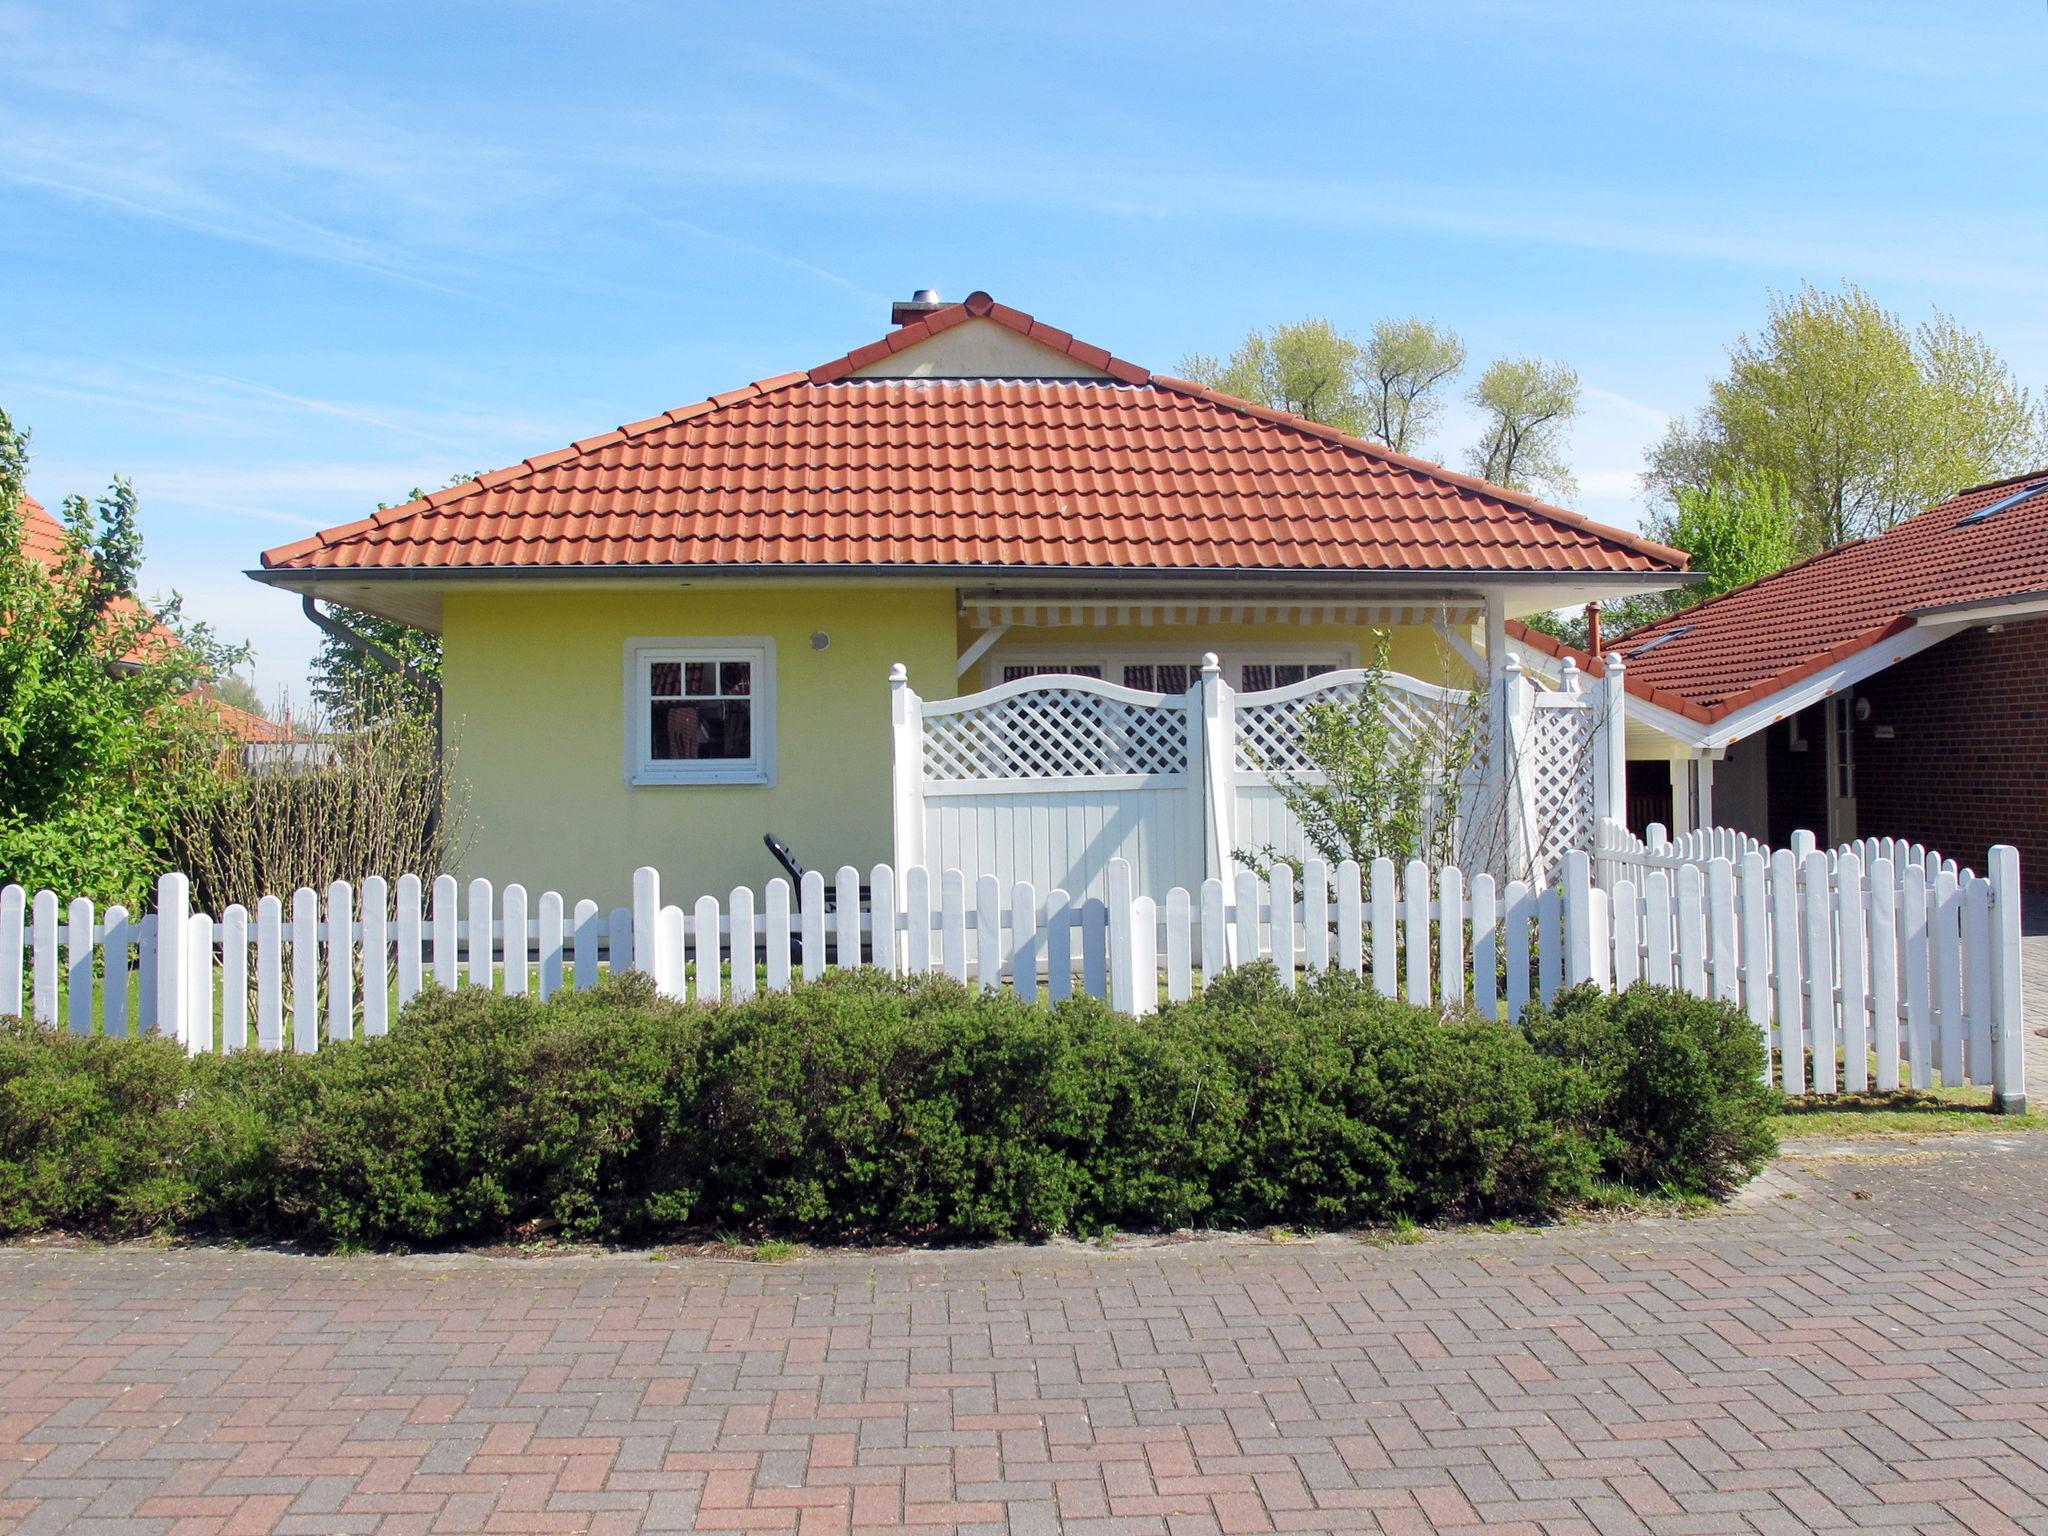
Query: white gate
1050	779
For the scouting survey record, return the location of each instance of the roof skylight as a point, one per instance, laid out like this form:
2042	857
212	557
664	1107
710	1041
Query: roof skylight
1664	639
2025	493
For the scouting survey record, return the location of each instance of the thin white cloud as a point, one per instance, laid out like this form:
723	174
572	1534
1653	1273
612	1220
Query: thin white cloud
795	264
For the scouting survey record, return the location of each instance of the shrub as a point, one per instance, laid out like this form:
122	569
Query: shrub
868	1107
1674	1084
93	1132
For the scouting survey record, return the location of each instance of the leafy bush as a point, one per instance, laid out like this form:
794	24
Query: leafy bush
92	1132
866	1107
1674	1084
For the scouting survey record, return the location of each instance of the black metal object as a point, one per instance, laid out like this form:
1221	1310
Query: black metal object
782	855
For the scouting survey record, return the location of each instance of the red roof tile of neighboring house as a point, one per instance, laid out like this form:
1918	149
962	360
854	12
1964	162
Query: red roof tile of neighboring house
1135	471
1710	660
42	540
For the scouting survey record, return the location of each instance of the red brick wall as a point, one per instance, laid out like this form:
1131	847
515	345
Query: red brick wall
1968	763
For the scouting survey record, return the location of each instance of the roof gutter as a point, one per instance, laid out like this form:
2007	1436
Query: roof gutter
1067	574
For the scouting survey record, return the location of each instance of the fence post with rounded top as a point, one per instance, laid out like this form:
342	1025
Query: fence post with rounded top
2008	1031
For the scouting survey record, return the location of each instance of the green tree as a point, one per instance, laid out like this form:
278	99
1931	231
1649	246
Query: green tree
1309	368
1388	387
104	730
1737	531
1528	405
1406	364
354	690
232	688
1864	420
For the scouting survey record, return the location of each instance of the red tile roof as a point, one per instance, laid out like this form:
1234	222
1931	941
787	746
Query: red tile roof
42	540
42	536
1708	661
1135	471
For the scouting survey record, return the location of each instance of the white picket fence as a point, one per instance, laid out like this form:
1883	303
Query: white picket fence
1879	950
1835	960
338	962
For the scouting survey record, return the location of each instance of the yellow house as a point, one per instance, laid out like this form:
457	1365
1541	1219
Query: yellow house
662	642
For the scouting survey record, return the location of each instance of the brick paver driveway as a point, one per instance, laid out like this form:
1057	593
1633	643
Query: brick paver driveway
1858	1343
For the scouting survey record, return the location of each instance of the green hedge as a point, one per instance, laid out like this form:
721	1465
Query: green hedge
867	1108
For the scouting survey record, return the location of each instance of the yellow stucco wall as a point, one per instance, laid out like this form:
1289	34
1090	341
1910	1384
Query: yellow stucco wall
535	698
535	694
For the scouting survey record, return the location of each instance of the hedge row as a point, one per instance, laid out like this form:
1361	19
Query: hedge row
867	1108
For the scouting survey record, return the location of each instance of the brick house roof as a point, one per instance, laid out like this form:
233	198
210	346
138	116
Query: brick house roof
1722	655
1130	471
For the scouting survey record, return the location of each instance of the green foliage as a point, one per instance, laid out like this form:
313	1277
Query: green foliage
1309	368
356	692
1406	363
1387	387
1674	1084
1376	784
1390	387
1528	405
1864	420
868	1108
1737	531
94	1133
104	732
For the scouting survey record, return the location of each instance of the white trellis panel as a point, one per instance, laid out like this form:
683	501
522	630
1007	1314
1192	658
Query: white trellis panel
1047	781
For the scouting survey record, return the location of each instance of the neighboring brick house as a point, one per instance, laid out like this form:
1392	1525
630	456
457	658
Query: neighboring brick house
1894	687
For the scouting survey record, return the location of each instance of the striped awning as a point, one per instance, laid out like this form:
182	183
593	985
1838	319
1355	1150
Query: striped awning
1099	610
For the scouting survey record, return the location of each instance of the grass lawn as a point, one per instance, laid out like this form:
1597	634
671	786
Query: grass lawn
1930	1112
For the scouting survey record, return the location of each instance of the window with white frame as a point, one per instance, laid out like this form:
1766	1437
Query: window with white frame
700	711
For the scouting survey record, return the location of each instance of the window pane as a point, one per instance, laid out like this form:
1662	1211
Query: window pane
1046	669
665	679
1138	677
1254	679
700	678
1292	672
736	679
1172	679
719	731
1318	669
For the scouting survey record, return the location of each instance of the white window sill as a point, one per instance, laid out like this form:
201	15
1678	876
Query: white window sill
655	778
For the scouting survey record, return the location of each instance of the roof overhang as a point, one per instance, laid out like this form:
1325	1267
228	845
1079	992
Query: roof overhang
1923	629
412	595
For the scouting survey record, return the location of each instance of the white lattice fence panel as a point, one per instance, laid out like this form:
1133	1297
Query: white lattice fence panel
1269	735
1056	733
1561	778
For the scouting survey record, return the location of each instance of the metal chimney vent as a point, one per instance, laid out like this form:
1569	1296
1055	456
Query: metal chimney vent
919	304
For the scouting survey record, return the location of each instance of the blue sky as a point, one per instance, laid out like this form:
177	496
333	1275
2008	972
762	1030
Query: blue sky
277	263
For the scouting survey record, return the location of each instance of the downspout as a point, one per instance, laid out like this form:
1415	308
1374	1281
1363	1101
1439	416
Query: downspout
327	624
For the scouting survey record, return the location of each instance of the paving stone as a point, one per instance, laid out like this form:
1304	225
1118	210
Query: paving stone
1811	1358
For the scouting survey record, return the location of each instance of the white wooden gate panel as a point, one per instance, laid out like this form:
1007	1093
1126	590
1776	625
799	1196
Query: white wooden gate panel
1065	839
